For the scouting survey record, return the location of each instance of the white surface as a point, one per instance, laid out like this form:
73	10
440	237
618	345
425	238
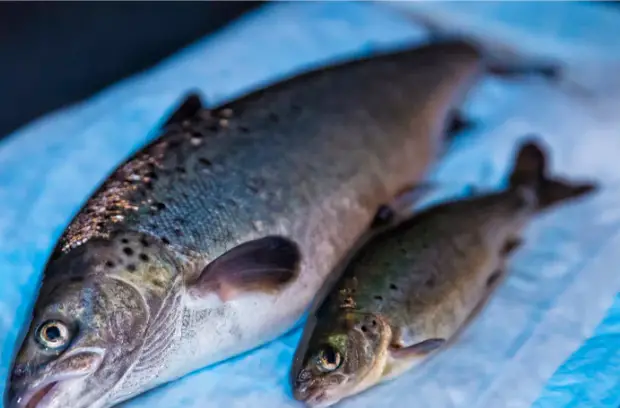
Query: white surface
528	347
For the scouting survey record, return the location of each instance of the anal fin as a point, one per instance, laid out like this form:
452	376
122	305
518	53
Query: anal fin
547	70
458	123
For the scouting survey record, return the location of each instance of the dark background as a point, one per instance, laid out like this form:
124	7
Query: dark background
56	53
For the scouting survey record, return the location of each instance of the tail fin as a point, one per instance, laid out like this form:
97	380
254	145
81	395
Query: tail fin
530	170
502	59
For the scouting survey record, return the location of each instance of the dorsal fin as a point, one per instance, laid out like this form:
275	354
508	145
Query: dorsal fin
190	106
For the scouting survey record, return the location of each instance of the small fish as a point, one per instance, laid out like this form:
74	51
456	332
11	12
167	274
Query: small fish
409	289
213	239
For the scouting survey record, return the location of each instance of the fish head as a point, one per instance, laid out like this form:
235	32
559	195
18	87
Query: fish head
86	330
344	357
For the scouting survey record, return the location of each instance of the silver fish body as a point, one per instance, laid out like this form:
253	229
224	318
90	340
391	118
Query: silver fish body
292	174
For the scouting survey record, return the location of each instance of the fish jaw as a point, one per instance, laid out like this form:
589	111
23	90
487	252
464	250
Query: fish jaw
365	338
54	390
316	398
50	395
106	312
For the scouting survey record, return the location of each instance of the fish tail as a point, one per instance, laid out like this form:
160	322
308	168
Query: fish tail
529	174
501	59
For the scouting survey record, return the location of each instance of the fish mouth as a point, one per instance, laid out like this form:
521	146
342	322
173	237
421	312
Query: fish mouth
44	393
36	398
320	399
310	396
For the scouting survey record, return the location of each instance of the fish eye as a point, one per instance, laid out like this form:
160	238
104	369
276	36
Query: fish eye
53	334
328	359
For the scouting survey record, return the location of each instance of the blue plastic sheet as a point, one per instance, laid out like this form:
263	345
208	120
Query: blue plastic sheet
547	339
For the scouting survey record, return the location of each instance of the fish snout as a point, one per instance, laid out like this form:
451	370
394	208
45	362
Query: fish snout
301	387
306	389
42	388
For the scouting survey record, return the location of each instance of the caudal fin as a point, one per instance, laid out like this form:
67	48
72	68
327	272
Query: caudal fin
530	170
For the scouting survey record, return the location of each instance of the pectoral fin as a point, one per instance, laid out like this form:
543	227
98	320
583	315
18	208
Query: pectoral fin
417	350
400	359
262	265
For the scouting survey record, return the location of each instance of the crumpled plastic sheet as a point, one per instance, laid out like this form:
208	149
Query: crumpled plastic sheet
548	338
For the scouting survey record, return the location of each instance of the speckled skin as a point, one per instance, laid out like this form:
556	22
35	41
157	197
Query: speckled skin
311	159
410	289
418	281
428	274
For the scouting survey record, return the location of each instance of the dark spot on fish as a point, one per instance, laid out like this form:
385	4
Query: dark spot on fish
380	298
364	329
144	257
374	323
430	282
178	232
255	184
231	202
204	162
76	279
181	170
274	118
159	206
131	268
174	143
125	241
109	264
144	242
128	251
244	129
165	240
393	287
157	283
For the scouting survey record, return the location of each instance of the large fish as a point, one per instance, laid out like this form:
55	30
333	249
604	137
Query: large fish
213	239
408	290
